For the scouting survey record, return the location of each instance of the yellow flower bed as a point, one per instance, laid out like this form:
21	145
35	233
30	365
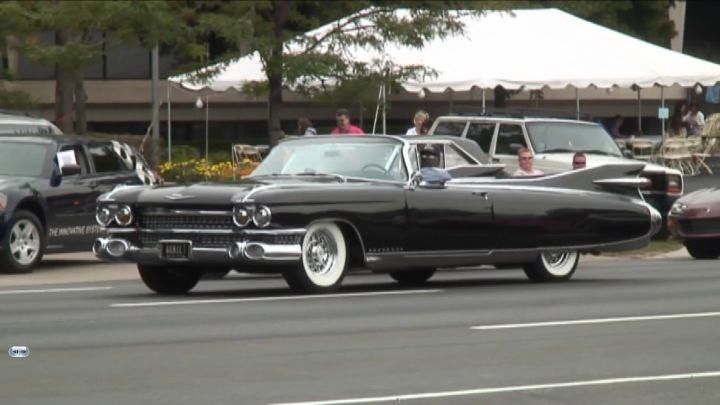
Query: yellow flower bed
198	170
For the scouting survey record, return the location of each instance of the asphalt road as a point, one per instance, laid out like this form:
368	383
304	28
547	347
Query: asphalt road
623	331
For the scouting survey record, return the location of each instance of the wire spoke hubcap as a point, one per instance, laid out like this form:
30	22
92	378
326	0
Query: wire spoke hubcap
24	242
321	252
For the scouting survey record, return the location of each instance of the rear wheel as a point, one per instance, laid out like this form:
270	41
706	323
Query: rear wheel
553	266
169	279
324	261
23	244
412	277
703	248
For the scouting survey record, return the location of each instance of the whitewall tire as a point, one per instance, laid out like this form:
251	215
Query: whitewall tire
550	266
324	260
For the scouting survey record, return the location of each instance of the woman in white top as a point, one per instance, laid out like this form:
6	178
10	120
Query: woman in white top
420	117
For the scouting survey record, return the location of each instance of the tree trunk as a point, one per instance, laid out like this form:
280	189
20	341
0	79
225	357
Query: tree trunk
275	73
80	104
63	92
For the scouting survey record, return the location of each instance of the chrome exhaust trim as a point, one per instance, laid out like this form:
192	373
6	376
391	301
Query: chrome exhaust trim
263	251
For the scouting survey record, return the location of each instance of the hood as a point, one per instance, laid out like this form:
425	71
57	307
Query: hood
593	160
8	182
209	194
702	200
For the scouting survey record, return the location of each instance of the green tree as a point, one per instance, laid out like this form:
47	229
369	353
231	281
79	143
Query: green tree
83	31
277	30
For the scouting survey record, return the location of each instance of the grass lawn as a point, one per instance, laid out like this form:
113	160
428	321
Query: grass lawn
655	247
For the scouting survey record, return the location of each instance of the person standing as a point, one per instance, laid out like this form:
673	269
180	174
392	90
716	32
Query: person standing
418	120
695	120
343	124
305	127
525	163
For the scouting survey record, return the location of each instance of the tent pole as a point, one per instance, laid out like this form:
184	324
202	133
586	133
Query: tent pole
384	99
377	109
577	103
639	112
169	124
483	101
662	105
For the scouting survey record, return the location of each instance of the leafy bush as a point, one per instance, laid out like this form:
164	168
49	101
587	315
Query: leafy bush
199	170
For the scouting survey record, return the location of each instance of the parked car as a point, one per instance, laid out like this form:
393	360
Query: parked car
553	143
317	207
48	188
14	124
695	219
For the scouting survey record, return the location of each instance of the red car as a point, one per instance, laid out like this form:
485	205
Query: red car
695	219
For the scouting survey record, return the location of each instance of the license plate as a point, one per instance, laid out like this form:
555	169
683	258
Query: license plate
175	250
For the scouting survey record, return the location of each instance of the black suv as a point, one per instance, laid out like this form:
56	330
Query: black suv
48	188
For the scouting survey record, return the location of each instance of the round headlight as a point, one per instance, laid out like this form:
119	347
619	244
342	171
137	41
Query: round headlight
124	215
103	217
678	208
261	216
241	217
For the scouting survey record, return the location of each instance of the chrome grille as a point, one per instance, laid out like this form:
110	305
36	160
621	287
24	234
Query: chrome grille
186	221
209	241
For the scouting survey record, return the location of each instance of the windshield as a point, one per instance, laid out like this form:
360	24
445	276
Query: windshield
376	159
554	137
22	159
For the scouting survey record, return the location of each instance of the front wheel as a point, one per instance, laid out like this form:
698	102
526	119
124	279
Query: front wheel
553	266
169	279
23	244
412	277
324	261
703	248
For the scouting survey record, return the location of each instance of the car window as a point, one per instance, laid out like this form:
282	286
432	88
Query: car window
510	138
482	133
449	128
80	158
454	157
106	160
23	159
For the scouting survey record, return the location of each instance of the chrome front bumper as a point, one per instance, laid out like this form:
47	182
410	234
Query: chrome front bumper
121	250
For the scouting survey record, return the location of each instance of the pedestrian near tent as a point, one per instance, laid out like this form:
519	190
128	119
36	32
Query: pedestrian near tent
305	127
344	126
418	120
695	120
525	163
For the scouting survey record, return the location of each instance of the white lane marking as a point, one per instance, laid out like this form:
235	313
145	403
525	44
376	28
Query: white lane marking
598	320
54	290
260	299
516	388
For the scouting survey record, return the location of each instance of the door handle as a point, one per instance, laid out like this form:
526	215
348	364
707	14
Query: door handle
482	194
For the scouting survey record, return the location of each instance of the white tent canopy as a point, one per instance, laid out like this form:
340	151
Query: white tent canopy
530	49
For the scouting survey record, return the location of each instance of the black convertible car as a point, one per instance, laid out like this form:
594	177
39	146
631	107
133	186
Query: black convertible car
49	185
318	207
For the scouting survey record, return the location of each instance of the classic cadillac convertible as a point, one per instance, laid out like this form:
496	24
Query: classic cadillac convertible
318	207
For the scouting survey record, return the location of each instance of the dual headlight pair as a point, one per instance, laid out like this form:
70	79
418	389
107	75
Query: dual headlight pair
122	215
259	215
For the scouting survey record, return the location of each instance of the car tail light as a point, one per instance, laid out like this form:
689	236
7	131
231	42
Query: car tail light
674	184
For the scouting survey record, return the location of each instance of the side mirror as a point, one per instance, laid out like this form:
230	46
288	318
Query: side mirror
70	170
432	177
628	153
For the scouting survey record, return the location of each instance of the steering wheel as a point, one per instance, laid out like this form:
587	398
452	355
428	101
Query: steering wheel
374	166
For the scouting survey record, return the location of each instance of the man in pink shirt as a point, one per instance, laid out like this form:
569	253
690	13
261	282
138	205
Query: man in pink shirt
344	126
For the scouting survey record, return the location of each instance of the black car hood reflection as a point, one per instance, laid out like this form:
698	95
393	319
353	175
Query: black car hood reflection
213	193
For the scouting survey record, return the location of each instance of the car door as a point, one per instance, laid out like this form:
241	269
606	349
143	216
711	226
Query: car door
510	137
71	204
109	168
452	217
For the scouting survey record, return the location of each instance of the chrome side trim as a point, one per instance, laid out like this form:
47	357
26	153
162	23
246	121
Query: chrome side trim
292	231
120	230
624	182
191	231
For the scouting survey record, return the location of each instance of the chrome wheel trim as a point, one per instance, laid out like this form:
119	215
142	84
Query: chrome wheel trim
324	254
559	263
24	242
320	252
